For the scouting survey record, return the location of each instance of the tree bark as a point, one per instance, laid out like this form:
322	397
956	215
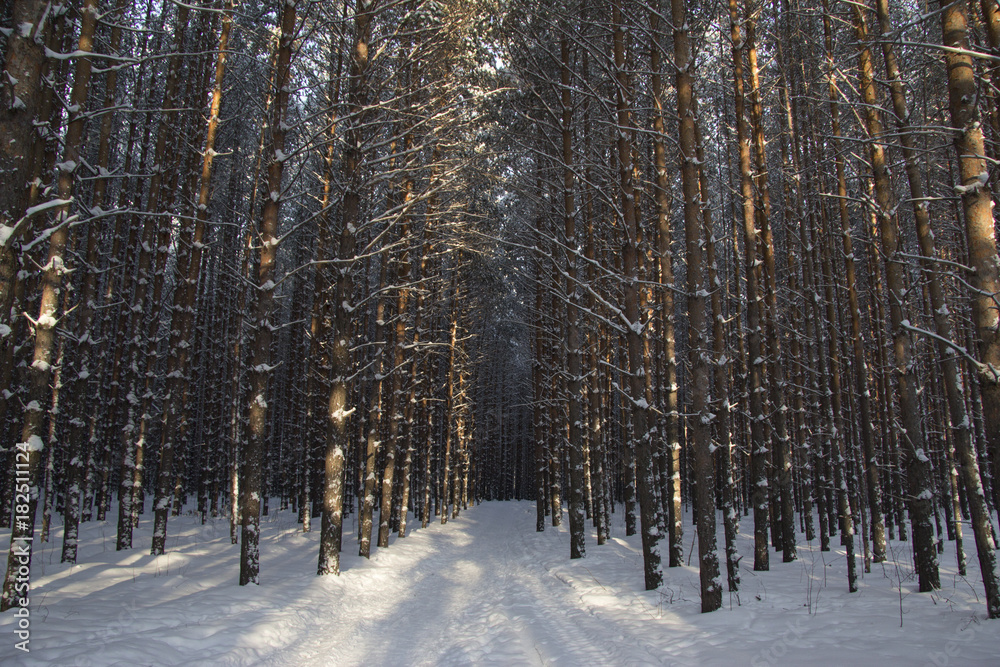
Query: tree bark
636	328
573	358
758	456
916	460
700	424
665	258
31	447
22	93
183	312
980	231
252	487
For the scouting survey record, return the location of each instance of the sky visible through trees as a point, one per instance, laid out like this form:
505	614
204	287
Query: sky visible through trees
388	259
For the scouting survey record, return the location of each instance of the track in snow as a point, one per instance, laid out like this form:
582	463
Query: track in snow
474	591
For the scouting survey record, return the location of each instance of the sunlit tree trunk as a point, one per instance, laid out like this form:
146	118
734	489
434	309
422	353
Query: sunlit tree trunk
29	450
185	297
782	457
980	231
758	455
917	461
251	480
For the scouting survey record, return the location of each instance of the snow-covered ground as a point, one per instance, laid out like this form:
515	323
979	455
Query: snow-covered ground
485	589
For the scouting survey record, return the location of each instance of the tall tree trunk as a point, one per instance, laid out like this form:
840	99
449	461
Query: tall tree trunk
538	383
377	448
182	317
917	462
980	231
700	426
29	450
635	331
337	434
665	257
79	431
252	486
758	455
448	455
857	339
782	458
821	241
720	380
351	166
373	444
573	358
129	491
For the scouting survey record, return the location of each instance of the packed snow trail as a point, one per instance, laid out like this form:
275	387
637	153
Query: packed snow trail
475	591
485	589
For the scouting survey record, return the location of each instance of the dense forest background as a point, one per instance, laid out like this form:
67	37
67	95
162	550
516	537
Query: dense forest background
394	257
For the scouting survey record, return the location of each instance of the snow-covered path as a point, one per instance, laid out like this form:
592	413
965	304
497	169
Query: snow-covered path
476	591
482	590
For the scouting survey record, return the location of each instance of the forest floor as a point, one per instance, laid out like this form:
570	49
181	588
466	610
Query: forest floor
484	589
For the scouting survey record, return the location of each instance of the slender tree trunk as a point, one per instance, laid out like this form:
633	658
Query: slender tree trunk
821	241
252	487
782	457
337	434
448	461
417	363
132	463
538	382
573	357
182	318
373	444
857	339
665	257
721	379
635	331
377	449
701	424
79	452
917	462
758	455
